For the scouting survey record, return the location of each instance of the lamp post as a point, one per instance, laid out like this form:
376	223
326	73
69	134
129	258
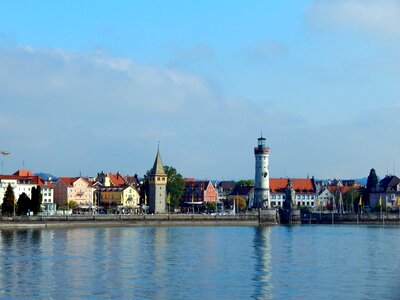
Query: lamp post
4	153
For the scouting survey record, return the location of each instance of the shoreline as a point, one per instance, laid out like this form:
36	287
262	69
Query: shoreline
169	223
151	223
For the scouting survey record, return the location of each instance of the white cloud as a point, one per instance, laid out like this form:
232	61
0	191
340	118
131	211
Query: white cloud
72	109
378	17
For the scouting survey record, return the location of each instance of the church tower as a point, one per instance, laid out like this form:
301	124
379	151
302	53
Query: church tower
261	182
157	186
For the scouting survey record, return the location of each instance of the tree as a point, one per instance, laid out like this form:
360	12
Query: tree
69	205
239	203
175	185
211	206
351	198
372	180
23	204
248	182
36	201
8	206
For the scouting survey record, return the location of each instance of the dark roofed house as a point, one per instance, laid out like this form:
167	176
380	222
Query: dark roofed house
224	188
388	190
199	191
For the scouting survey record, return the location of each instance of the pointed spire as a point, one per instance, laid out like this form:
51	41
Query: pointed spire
158	168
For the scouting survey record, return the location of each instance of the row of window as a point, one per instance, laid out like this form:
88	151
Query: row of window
311	197
298	203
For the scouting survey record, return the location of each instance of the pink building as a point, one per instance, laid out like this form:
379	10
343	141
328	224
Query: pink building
75	189
199	191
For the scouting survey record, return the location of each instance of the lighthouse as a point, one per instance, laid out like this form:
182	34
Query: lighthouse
261	182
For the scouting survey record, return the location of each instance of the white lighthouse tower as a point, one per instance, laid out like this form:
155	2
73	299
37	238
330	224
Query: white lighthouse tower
261	191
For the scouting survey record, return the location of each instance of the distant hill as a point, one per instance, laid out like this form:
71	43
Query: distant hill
46	176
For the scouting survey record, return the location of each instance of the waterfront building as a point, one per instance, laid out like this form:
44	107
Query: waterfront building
304	189
224	188
23	181
387	191
111	179
157	186
126	196
75	189
200	192
326	198
262	189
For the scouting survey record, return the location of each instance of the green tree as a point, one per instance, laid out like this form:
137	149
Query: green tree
144	189
351	198
36	201
23	204
69	205
211	206
248	182
175	185
372	180
8	206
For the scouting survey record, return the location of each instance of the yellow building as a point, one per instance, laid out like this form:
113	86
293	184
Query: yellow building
126	196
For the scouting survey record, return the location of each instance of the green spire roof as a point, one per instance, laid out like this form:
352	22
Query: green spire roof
158	168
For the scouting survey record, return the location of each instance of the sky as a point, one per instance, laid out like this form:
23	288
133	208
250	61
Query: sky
90	86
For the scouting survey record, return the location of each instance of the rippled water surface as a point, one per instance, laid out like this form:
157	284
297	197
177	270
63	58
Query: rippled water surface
303	262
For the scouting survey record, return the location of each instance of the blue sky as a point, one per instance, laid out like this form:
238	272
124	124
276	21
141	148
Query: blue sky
93	86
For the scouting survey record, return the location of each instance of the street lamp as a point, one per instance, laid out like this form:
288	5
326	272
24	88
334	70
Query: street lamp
4	153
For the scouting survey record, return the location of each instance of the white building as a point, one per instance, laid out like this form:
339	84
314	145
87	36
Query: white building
304	189
23	181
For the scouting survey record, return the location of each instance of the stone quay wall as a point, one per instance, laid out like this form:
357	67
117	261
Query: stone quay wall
130	220
351	218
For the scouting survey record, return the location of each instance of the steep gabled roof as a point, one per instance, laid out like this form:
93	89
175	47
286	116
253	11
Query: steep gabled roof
158	168
116	179
389	182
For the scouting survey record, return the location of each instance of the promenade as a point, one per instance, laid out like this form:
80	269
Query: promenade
267	218
129	220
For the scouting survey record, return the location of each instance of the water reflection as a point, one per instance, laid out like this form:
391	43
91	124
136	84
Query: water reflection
201	262
262	249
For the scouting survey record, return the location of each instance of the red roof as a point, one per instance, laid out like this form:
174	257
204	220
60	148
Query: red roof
116	179
343	189
300	185
23	173
68	181
23	179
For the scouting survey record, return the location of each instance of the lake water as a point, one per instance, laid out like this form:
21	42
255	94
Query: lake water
301	262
